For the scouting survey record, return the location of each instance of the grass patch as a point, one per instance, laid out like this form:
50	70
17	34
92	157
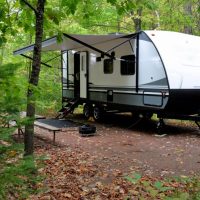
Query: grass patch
178	188
18	175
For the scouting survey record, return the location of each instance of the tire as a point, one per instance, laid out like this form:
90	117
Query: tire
87	111
97	113
87	130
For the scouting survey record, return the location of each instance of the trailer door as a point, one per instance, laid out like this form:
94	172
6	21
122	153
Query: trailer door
83	74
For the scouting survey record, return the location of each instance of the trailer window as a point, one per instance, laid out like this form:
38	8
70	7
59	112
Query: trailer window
128	65
108	66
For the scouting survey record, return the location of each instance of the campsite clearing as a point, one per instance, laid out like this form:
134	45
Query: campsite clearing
120	148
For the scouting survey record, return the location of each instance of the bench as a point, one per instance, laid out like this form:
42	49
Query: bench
20	128
49	128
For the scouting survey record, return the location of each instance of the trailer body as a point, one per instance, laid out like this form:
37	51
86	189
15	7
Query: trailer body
146	72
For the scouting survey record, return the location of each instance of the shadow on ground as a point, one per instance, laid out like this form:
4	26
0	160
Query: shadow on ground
126	121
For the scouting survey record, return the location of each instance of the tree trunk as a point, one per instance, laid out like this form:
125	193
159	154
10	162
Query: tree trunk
157	24
137	19
29	128
198	18
188	12
2	54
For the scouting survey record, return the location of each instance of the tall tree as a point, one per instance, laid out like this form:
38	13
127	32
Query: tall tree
188	13
134	9
136	17
33	81
97	17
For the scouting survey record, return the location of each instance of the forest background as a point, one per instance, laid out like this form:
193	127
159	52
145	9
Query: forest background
17	29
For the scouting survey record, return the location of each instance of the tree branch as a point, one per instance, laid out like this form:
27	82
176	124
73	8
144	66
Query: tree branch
30	6
111	26
8	5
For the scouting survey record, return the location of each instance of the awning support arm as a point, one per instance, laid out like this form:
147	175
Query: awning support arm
89	46
32	59
128	40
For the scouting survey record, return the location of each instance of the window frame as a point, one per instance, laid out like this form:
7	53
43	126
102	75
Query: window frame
107	63
127	71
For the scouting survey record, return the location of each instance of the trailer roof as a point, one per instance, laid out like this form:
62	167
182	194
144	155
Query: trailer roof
73	42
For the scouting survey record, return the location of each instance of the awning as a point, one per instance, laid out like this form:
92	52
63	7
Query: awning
74	42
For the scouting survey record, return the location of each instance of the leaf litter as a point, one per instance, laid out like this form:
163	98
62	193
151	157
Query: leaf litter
71	174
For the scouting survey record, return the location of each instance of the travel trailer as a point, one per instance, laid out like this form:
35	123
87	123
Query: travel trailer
149	72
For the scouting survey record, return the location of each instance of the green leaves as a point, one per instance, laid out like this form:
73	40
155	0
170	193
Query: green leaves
145	187
160	187
59	37
2	40
71	5
8	70
9	11
198	9
10	99
151	5
113	2
18	177
53	14
153	189
134	178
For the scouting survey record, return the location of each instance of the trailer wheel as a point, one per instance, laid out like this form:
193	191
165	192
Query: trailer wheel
87	111
97	113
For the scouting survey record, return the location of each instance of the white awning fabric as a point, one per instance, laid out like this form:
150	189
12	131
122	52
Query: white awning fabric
68	43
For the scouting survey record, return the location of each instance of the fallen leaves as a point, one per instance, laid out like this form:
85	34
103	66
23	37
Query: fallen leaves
71	174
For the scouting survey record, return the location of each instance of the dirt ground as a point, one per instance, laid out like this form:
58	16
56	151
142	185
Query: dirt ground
120	147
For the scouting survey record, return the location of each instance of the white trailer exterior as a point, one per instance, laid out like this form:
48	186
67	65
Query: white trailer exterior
146	72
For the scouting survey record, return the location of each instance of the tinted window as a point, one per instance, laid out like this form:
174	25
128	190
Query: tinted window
128	65
108	66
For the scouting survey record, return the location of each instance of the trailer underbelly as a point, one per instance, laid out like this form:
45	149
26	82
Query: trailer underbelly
184	101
